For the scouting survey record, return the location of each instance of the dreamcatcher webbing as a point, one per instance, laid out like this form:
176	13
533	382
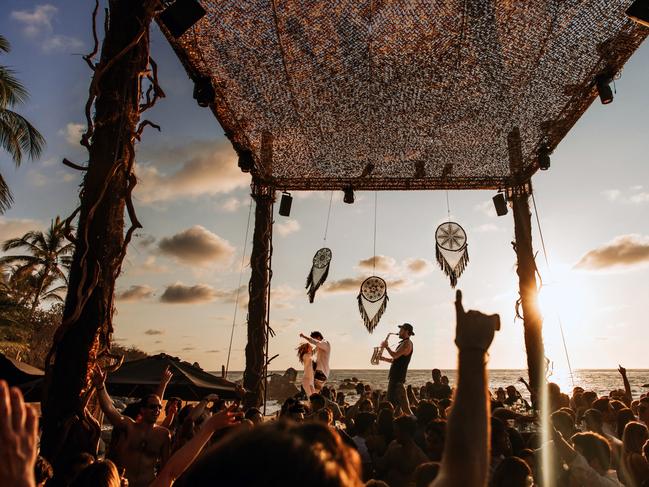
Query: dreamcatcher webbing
451	249
373	296
321	262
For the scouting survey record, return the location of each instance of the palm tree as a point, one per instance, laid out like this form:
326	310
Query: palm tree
17	135
45	264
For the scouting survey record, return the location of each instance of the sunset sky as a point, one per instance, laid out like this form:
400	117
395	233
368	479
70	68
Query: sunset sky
180	277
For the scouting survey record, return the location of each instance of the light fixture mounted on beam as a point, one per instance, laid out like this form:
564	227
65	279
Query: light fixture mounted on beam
204	93
639	12
348	192
603	83
285	204
181	15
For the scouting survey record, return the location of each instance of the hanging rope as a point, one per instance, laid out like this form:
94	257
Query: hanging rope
236	300
547	263
448	207
374	258
331	198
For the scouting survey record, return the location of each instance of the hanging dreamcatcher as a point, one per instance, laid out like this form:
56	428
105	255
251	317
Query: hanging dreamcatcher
321	260
373	296
319	272
451	250
372	301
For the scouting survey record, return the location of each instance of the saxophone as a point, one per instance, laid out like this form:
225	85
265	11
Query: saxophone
378	351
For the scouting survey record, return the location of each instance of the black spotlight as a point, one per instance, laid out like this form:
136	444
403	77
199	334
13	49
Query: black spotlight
604	89
544	158
204	91
181	15
500	203
246	160
349	195
285	204
639	11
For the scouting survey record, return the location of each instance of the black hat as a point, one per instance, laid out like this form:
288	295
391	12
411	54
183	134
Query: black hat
408	328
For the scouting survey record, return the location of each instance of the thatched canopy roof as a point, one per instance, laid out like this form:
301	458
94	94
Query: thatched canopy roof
319	90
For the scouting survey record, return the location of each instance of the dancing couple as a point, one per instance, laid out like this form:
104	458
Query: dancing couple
315	372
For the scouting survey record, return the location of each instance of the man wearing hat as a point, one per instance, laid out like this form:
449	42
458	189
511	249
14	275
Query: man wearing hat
399	358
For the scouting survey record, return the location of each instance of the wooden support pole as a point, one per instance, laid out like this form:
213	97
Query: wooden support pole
259	289
68	429
528	290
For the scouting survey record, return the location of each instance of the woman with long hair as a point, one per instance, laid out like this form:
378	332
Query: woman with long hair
634	469
305	355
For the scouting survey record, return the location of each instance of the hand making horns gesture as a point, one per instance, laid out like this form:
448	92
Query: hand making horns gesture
474	330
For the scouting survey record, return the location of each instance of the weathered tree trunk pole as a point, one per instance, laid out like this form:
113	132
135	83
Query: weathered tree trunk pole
259	289
100	243
528	290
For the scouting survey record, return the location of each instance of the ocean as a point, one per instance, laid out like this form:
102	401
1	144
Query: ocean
602	381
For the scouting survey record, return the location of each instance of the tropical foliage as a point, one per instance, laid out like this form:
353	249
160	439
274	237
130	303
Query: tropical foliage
17	136
40	272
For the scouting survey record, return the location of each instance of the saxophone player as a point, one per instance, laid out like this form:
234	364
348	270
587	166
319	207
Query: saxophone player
400	359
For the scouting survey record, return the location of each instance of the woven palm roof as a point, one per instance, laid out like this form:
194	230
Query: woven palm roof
403	94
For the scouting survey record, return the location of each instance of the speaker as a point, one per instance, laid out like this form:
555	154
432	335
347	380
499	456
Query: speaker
285	204
181	15
500	203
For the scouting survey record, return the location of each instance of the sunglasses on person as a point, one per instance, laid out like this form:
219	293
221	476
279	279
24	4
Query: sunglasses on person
157	407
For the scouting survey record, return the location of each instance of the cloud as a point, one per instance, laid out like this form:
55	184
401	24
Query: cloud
612	194
282	296
36	22
353	284
381	263
61	43
17	228
486	208
135	293
624	251
153	331
188	349
149	266
73	132
144	240
199	168
418	266
485	227
288	227
179	293
212	351
230	205
640	198
197	246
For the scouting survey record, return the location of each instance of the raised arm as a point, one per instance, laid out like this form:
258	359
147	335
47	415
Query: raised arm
628	396
113	415
164	382
186	455
465	460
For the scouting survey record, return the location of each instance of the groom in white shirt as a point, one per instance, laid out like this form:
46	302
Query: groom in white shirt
323	352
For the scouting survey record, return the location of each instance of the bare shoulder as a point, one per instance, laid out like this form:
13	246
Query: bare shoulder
161	432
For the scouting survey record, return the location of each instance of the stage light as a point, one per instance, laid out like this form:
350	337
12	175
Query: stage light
500	204
204	91
349	195
285	204
181	15
604	89
544	158
639	12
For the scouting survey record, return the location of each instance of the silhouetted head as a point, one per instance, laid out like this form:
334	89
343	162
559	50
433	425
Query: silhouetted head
437	376
317	401
511	472
595	449
316	335
404	429
98	474
634	437
293	454
42	471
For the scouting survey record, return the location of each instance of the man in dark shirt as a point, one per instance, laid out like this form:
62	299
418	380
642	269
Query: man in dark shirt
399	358
438	390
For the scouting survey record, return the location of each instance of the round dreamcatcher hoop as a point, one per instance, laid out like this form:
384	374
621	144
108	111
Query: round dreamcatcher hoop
372	301
451	250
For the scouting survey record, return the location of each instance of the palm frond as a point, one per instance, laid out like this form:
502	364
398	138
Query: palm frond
6	199
12	91
29	139
4	44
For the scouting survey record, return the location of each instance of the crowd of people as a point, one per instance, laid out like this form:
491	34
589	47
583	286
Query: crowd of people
430	435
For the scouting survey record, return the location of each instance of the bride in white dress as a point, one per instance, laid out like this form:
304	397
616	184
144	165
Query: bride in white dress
305	354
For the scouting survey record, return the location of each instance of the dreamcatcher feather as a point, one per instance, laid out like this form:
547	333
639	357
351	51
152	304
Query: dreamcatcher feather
372	301
451	250
319	272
